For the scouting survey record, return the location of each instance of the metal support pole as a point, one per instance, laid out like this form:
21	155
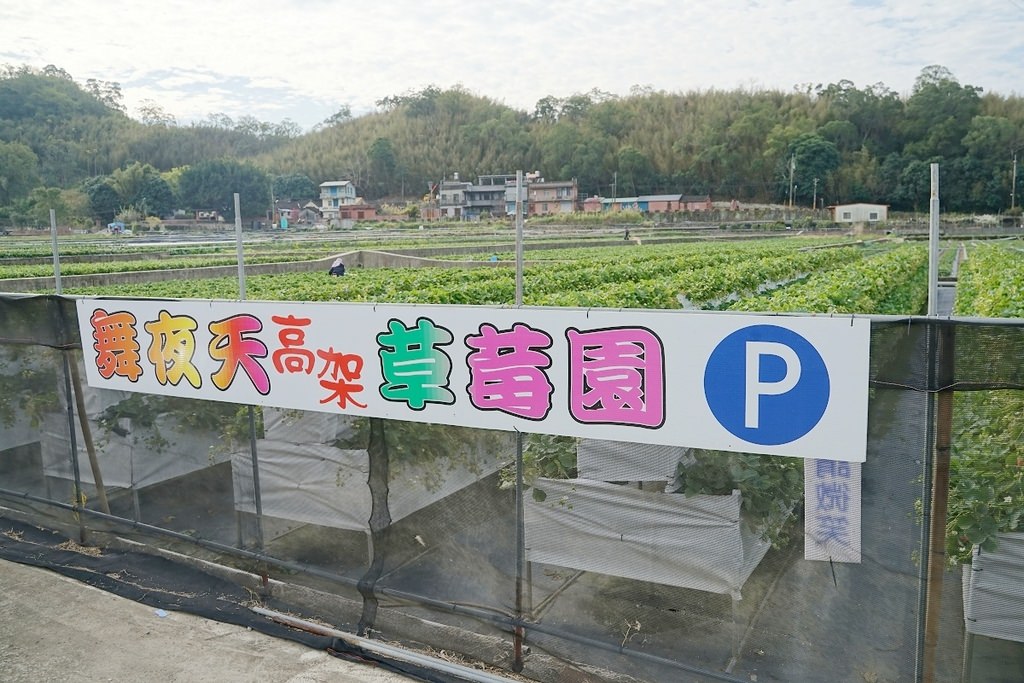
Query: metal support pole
56	251
933	245
519	632
792	168
75	396
519	238
257	497
241	253
944	360
1013	184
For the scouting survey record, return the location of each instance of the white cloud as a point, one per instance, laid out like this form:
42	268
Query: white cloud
303	59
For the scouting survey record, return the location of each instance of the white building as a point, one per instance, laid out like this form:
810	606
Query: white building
860	213
336	193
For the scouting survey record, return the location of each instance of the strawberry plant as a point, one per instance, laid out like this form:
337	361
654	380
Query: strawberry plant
987	467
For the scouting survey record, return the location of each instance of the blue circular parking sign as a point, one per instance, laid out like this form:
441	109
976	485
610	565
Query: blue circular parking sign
766	385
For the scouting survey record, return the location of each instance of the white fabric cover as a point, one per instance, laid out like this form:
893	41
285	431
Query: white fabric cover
130	459
303	426
305	482
994	590
601	460
18	433
697	542
320	484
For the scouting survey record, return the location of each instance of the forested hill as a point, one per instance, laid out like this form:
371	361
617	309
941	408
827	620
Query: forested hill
843	142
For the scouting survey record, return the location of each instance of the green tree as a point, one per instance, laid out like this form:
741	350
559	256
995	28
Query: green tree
212	185
18	171
636	174
295	186
152	114
155	197
382	163
343	115
939	114
107	92
104	201
815	158
914	188
69	206
128	181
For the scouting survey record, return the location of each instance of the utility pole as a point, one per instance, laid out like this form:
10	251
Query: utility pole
814	200
273	205
792	168
1013	183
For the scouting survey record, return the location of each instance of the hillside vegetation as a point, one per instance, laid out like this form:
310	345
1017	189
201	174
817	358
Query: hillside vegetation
844	143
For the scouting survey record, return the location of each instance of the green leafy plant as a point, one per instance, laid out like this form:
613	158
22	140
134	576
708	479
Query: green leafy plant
229	420
27	387
987	465
544	456
771	487
432	449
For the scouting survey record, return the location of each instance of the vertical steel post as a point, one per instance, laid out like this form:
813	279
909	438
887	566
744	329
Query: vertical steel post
933	245
942	374
943	361
519	632
241	253
56	252
76	397
257	498
1013	184
519	238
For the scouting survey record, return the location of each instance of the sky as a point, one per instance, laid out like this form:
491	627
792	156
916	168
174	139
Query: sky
304	60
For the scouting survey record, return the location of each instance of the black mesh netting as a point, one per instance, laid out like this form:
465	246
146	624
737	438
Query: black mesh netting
627	562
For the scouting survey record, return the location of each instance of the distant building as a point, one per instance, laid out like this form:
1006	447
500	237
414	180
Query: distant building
334	194
545	198
496	195
860	213
286	212
452	199
487	196
695	203
649	203
310	213
357	212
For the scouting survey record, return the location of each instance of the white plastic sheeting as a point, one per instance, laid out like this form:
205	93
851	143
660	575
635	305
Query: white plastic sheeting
304	426
318	483
18	433
698	542
994	590
138	456
601	460
305	482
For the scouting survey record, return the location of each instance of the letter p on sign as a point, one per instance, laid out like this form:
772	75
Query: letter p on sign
766	384
756	388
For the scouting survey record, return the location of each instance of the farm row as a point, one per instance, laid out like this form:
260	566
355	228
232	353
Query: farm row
987	468
719	275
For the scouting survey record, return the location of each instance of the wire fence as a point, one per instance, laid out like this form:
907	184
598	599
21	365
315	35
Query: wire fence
591	560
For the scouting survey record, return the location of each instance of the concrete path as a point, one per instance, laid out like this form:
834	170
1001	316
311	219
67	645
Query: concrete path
53	628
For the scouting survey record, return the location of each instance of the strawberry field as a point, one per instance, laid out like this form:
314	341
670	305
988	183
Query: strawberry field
778	275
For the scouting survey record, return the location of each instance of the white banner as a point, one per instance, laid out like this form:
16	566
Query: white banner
832	511
779	385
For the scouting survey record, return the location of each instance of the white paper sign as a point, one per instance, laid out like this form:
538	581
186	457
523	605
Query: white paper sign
832	510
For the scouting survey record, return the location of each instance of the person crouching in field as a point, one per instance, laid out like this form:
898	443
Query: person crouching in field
337	268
